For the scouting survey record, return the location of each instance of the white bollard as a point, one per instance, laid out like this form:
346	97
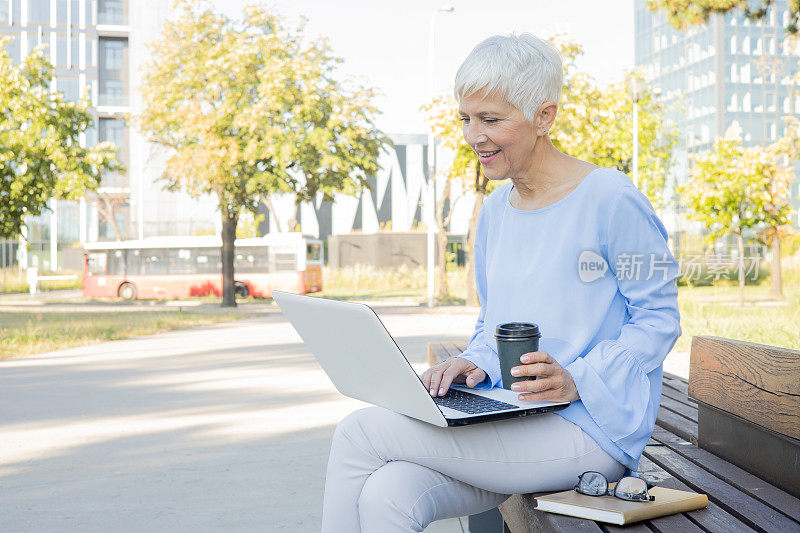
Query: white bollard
33	279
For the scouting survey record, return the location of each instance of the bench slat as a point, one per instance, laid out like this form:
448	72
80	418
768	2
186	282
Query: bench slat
745	481
689	413
520	517
681	426
712	518
733	500
676	382
678	396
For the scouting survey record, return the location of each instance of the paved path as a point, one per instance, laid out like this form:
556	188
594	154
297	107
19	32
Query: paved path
220	428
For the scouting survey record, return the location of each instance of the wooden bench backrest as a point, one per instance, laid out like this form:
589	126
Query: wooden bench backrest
753	381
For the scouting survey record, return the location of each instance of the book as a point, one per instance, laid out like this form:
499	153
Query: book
616	511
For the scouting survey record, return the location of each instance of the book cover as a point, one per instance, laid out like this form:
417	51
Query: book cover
616	511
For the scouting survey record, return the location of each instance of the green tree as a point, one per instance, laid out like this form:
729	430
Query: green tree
250	108
40	153
681	13
731	190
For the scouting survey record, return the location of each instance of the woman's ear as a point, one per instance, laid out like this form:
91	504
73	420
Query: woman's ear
545	117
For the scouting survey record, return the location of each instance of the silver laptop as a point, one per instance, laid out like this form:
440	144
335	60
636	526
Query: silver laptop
364	362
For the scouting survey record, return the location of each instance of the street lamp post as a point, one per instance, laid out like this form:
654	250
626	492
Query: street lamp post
430	188
636	87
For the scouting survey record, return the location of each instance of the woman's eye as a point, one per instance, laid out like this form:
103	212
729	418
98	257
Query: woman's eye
463	119
490	120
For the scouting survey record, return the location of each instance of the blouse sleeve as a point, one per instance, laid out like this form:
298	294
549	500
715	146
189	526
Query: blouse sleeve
478	351
613	378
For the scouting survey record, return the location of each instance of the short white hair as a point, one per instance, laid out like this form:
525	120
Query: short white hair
524	70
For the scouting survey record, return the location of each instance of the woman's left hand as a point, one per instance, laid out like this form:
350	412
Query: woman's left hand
553	382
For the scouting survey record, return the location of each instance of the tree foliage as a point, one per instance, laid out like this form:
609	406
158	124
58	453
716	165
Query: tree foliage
40	153
681	13
251	108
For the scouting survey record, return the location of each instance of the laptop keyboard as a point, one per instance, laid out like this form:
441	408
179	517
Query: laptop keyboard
470	403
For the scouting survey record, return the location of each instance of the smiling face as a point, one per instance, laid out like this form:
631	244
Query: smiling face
499	133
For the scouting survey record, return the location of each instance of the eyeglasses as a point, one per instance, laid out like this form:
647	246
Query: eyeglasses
629	488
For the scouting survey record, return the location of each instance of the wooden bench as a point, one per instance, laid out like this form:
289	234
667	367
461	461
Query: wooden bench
738	499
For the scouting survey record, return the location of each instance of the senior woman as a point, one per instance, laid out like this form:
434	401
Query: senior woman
571	246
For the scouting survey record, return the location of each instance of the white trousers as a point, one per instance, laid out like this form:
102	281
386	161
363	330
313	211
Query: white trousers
390	473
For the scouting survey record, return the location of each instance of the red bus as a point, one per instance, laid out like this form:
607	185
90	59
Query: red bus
180	267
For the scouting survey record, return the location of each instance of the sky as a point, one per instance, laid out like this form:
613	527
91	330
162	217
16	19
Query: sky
385	43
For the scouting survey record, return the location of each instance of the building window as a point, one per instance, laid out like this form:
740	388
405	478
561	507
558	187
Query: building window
69	88
746	45
746	102
772	46
773	131
13	49
745	73
4	11
110	12
787	105
111	93
61	50
39	11
112	54
734	73
734	102
733	44
91	53
61	11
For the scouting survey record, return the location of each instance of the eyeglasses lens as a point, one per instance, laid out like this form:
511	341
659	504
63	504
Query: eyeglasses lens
593	484
630	488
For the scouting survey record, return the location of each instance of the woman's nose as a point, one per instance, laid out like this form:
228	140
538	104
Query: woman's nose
472	136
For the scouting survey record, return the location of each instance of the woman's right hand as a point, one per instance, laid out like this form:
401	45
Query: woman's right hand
437	379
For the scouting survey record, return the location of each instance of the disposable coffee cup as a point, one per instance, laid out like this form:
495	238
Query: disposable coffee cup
513	340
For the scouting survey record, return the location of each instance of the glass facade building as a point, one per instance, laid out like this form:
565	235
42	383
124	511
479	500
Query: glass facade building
730	70
86	41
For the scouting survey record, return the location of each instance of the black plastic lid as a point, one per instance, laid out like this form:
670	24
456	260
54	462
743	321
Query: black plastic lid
517	330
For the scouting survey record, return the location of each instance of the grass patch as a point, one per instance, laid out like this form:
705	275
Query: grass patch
23	332
10	282
366	282
715	311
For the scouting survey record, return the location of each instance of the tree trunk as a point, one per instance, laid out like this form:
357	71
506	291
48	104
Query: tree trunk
740	246
441	243
777	279
290	226
480	192
107	207
229	220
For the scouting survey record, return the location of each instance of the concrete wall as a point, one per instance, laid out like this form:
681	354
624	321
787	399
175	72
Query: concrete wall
381	250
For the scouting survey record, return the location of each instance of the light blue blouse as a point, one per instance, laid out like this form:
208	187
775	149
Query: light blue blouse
593	270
